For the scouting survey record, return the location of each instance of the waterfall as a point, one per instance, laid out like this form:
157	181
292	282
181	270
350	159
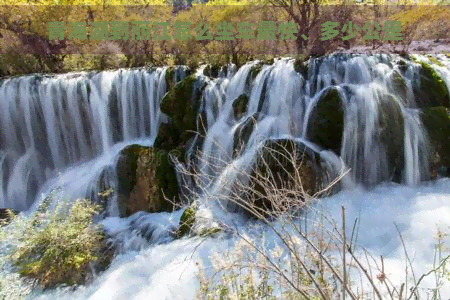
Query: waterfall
49	123
56	128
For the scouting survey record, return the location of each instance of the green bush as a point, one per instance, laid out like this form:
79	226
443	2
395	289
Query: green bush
60	247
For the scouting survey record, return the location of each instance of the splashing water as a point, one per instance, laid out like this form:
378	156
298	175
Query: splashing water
65	131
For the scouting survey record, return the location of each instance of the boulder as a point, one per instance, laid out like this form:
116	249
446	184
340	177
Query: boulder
147	180
182	105
243	133
240	105
301	66
187	221
430	90
391	132
287	167
326	124
398	85
436	122
175	74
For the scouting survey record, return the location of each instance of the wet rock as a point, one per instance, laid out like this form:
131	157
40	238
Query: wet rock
182	105
285	167
430	90
187	220
243	133
326	123
399	85
391	130
147	180
175	74
436	122
301	67
240	105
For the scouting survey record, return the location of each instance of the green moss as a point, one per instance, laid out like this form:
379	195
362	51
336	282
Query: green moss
165	179
436	121
327	122
126	168
147	180
391	133
187	220
182	104
210	231
169	77
269	61
255	69
435	61
431	90
399	85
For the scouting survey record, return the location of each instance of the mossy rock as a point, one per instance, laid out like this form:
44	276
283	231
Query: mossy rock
187	221
402	65
126	168
430	90
301	67
255	69
182	104
147	180
435	61
243	133
169	77
326	124
284	165
240	105
6	215
210	231
399	86
253	73
391	132
212	71
436	122
175	74
104	190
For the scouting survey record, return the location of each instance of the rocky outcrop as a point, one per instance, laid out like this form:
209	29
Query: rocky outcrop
189	218
147	180
436	122
391	132
283	165
430	89
326	123
301	66
240	105
182	105
243	133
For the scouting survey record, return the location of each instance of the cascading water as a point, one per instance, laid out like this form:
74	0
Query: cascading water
51	123
64	131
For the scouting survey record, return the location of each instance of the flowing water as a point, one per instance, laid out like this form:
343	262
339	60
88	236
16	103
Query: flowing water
65	131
